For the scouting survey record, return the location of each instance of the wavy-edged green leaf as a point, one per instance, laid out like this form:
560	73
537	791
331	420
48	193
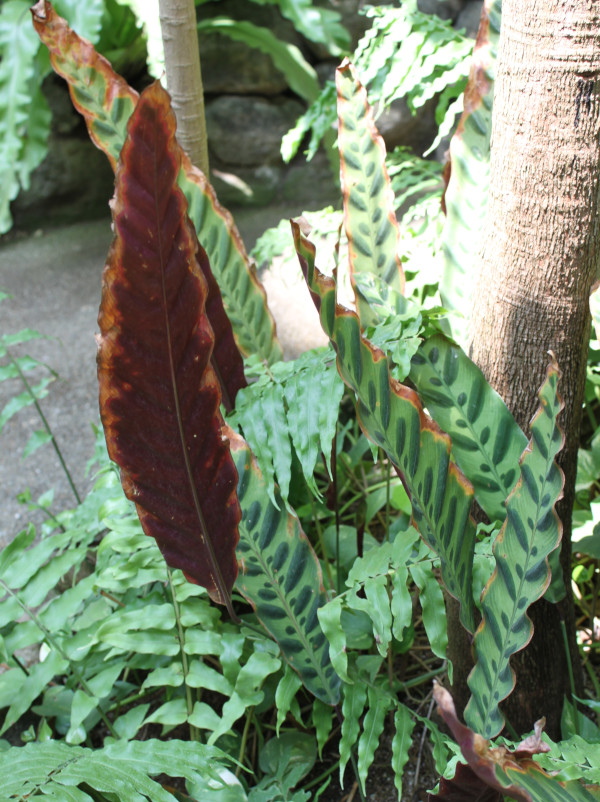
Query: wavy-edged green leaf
433	608
247	691
18	47
300	76
292	404
467	191
393	417
262	415
486	440
106	102
285	695
530	533
355	698
322	719
401	743
281	577
369	214
313	396
330	618
376	604
378	704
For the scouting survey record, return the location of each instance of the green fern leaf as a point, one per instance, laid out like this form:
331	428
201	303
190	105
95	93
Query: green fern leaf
297	401
313	395
530	533
355	697
486	441
18	47
379	703
286	57
401	742
392	416
55	770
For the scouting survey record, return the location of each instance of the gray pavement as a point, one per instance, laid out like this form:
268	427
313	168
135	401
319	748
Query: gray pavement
54	277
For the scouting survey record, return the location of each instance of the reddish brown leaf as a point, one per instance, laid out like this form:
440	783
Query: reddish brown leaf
489	762
159	396
465	786
106	101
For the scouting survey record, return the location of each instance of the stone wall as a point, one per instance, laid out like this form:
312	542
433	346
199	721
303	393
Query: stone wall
248	109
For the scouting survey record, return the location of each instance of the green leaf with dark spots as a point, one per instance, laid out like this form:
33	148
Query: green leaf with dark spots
280	576
369	216
530	533
392	416
486	440
467	191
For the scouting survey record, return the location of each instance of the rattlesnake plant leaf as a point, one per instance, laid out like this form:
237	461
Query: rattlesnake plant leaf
486	440
531	531
106	102
392	416
513	774
467	191
159	396
369	216
281	578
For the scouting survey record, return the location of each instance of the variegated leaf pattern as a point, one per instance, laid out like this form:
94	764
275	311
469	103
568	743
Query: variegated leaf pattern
279	574
467	192
494	767
392	416
106	102
486	440
369	216
530	533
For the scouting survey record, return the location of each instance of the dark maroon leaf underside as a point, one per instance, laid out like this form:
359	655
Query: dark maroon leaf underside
69	55
159	396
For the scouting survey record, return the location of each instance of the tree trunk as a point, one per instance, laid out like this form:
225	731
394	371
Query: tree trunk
184	79
540	257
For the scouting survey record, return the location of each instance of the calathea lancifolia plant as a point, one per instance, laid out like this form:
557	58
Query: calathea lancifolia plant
169	348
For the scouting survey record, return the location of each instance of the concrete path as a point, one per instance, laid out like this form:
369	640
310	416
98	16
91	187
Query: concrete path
55	278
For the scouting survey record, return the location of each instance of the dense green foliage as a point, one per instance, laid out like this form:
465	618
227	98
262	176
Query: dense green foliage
355	521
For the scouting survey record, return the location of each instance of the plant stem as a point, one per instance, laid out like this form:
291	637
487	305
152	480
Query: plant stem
336	505
45	422
194	734
387	496
249	715
55	645
570	670
322	545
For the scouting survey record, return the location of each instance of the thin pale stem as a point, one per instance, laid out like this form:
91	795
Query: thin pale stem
194	734
45	423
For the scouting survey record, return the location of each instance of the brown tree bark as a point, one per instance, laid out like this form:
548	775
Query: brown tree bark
539	260
184	78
